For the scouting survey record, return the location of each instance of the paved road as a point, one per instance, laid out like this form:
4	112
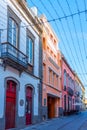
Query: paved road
75	122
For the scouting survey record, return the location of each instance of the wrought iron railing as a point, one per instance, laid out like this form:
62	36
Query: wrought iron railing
70	91
11	52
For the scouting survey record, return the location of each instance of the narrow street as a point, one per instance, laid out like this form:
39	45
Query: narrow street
74	122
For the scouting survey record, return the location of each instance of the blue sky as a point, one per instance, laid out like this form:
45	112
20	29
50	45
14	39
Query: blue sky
71	31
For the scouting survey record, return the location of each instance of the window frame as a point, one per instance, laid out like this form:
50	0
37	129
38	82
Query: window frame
11	31
65	80
11	14
30	48
31	36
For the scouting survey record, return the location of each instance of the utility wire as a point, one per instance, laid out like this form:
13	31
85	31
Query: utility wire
57	31
64	17
53	19
70	35
81	33
86	11
63	28
74	28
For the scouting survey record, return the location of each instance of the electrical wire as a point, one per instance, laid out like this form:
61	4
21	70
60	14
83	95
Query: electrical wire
63	27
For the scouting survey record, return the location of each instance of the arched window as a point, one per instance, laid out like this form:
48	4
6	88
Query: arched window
12	32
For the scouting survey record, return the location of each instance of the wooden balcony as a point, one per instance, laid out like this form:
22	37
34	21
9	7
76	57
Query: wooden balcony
13	57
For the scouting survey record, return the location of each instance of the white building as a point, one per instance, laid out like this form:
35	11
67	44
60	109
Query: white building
20	65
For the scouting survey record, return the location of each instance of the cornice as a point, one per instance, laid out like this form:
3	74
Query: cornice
30	18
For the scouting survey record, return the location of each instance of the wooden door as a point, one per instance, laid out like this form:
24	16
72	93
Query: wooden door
28	105
10	105
51	107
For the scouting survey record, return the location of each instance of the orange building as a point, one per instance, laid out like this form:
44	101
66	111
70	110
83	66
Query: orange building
51	87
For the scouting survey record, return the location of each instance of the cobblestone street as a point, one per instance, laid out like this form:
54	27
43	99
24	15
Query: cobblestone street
74	122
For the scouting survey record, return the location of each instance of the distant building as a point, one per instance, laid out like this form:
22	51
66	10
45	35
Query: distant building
79	93
86	103
20	65
83	96
51	90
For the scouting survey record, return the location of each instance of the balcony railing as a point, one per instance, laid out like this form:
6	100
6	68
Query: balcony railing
12	56
77	93
70	91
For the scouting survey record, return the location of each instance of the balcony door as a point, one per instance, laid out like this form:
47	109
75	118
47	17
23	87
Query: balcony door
12	32
28	105
10	111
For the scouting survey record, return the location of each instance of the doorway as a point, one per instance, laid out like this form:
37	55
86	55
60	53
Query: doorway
10	112
51	107
28	105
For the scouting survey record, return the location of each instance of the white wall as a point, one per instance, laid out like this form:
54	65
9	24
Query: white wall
22	43
24	78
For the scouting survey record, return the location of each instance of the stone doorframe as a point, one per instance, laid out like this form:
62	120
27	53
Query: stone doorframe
17	93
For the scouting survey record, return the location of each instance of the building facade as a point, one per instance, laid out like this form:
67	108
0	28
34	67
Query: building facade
83	96
20	65
68	84
51	90
79	94
86	103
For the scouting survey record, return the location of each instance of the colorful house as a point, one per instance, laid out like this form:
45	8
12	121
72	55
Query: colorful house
83	96
86	103
68	84
20	65
79	93
51	88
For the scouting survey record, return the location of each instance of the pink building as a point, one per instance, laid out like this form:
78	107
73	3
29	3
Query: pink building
68	83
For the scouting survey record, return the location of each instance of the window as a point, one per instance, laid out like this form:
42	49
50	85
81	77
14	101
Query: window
44	43
57	80
50	76
64	102
13	27
44	72
12	32
51	37
53	79
67	80
30	50
64	80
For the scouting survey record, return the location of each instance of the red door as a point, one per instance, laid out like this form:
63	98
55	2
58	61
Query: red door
10	104
28	105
